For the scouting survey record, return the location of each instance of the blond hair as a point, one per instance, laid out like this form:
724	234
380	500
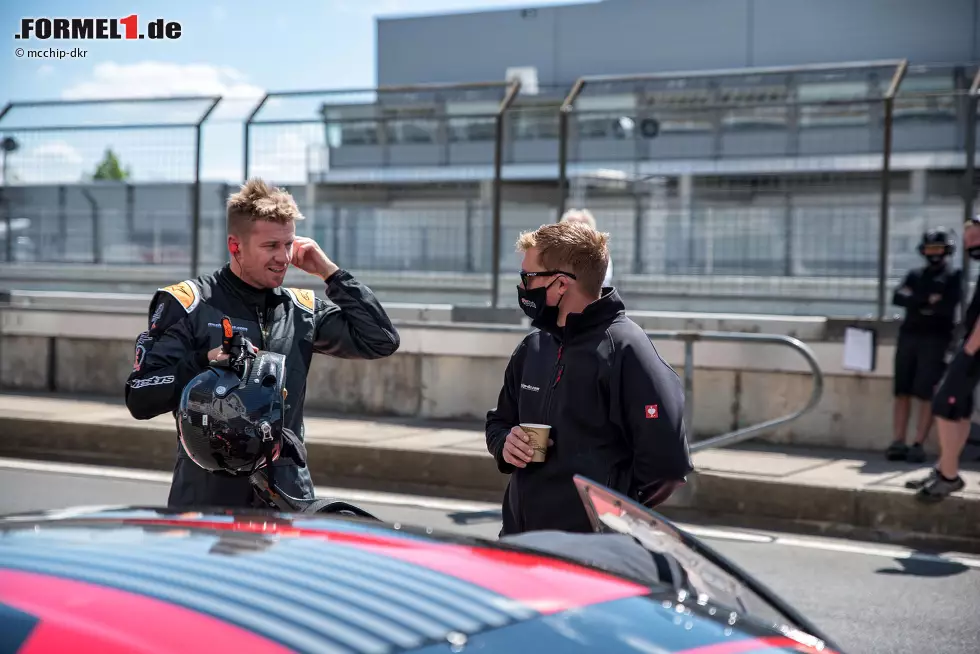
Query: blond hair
256	200
571	246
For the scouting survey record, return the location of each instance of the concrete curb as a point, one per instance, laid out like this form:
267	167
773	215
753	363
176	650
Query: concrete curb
883	515
886	515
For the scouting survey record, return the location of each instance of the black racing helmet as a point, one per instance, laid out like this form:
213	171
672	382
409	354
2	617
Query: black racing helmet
937	243
231	420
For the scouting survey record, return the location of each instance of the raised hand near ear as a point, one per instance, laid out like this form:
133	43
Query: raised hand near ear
308	257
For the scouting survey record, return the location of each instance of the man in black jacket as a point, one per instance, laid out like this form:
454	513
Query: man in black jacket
185	332
616	409
930	296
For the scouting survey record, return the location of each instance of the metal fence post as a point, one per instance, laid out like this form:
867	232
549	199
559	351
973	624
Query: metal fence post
248	129
196	220
96	230
498	164
971	147
4	199
562	161
968	176
8	221
62	220
563	111
883	222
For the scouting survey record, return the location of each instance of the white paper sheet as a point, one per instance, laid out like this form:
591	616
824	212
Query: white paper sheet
859	349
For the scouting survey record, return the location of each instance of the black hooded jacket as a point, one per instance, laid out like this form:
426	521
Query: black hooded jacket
185	324
615	407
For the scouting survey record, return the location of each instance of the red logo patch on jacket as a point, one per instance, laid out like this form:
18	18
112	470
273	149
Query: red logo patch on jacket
652	411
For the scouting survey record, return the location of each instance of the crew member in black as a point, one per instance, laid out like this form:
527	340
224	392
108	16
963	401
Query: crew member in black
930	296
615	408
953	402
185	332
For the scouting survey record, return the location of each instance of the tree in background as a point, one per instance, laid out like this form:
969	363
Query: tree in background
109	168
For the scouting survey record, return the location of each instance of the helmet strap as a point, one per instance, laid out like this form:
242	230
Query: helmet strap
268	451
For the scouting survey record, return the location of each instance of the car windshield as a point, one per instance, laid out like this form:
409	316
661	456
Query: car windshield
708	576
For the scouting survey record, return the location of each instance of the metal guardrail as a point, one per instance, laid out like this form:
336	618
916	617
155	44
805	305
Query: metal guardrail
690	338
739	435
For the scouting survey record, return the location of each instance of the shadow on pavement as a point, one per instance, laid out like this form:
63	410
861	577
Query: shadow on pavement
474	517
912	567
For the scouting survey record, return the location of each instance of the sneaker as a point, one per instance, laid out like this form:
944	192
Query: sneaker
916	454
897	451
916	484
939	489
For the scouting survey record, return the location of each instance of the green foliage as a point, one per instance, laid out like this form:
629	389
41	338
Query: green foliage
110	168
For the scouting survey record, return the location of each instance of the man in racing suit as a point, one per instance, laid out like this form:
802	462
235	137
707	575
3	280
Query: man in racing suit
185	332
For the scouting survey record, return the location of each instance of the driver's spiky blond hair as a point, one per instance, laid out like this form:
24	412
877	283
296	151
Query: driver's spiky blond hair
256	200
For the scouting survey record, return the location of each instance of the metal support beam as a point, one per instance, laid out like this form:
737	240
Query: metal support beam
563	111
196	218
883	221
96	227
969	175
248	129
498	163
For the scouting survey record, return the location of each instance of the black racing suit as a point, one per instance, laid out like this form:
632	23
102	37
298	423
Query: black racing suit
615	407
185	324
953	399
927	330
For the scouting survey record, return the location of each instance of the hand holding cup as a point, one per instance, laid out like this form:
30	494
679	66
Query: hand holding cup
527	443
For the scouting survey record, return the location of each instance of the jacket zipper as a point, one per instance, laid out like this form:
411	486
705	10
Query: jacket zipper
556	377
262	334
559	367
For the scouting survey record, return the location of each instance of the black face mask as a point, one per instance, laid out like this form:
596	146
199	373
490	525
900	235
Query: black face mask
534	303
974	252
936	260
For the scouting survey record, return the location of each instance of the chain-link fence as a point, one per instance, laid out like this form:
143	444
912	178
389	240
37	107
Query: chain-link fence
783	190
400	185
105	182
798	190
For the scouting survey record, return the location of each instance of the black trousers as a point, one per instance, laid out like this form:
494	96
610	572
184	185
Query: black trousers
919	364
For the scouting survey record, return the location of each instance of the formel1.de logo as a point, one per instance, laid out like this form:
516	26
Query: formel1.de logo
97	29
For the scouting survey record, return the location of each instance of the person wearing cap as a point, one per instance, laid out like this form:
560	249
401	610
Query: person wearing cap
953	401
930	295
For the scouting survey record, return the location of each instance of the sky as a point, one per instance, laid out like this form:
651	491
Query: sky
238	50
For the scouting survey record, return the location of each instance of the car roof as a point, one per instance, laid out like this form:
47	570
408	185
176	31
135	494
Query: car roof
278	582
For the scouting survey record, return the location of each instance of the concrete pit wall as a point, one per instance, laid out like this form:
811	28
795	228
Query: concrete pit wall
455	372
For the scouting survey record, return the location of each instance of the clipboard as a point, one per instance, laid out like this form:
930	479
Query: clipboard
860	349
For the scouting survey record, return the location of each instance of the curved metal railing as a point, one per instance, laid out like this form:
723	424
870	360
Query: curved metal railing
739	435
